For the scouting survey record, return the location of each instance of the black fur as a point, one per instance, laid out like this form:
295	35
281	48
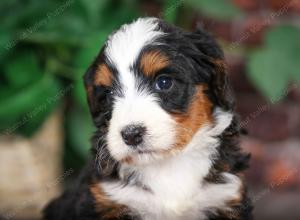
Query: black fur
194	59
75	203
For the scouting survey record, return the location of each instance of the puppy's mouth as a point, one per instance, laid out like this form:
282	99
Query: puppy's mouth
143	156
147	151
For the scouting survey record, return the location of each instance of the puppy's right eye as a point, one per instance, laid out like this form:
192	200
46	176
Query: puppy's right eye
163	83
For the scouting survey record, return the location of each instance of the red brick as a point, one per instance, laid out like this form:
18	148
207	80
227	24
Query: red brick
294	119
247	5
295	6
263	120
248	104
237	75
151	8
220	29
252	30
280	175
294	93
254	146
284	6
256	172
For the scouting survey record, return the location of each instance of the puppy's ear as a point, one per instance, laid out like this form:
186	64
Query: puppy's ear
206	43
89	87
95	95
219	82
221	87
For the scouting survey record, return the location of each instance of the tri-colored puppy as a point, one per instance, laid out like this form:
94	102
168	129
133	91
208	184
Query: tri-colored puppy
166	141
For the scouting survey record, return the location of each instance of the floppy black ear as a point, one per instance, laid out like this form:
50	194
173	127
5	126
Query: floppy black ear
96	95
219	82
89	87
206	43
221	87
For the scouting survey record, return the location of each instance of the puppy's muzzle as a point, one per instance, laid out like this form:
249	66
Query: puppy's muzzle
133	135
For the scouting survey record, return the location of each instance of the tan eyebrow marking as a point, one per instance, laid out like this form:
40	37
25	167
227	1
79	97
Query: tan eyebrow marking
103	76
153	61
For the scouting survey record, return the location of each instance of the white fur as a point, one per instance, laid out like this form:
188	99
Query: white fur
176	183
139	108
124	46
136	107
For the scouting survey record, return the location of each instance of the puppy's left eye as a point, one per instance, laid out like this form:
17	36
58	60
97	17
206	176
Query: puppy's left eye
109	91
163	83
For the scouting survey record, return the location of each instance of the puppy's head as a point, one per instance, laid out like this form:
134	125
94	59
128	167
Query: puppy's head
152	87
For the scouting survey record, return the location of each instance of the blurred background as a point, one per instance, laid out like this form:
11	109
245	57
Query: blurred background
46	46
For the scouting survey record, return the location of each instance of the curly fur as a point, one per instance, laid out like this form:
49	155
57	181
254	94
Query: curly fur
89	199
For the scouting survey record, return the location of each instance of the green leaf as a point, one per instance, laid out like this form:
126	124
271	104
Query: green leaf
80	130
170	10
273	67
80	93
116	15
286	40
84	58
283	37
218	9
94	10
294	57
90	50
25	109
29	13
269	71
5	39
22	70
54	37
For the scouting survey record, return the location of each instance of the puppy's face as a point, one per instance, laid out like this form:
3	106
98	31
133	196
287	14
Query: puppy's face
150	89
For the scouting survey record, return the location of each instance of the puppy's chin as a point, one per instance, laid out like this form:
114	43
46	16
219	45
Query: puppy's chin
138	157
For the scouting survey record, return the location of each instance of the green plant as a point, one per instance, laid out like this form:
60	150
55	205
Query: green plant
46	46
276	64
44	52
217	9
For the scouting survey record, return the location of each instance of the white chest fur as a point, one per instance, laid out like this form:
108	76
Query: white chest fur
176	188
176	191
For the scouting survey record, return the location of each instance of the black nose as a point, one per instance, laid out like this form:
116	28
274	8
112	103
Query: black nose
133	134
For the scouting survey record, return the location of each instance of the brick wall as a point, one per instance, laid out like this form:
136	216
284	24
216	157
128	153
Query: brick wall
273	128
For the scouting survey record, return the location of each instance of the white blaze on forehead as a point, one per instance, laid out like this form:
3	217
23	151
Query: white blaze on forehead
124	46
136	106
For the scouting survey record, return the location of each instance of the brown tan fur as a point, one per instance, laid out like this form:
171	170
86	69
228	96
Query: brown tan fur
198	114
234	213
240	196
128	160
220	65
109	209
103	76
153	61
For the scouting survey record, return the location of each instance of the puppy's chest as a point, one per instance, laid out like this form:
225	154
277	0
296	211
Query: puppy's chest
174	192
161	198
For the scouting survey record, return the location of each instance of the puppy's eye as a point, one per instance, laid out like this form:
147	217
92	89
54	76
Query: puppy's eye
109	91
163	83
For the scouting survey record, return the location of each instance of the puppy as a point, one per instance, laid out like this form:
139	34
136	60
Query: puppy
166	141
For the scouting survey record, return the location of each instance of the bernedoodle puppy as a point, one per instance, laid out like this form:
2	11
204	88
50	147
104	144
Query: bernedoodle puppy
166	145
